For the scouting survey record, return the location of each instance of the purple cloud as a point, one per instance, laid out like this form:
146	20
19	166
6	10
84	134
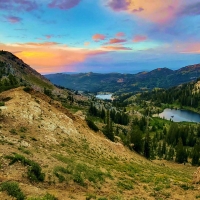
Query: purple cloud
18	5
13	19
138	10
119	5
192	9
64	4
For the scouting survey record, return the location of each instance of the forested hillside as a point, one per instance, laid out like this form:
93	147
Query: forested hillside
123	83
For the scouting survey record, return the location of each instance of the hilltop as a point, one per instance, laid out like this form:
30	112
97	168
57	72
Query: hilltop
123	83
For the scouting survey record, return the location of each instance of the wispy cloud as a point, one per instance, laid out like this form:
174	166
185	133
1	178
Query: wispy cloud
158	11
50	57
116	40
86	43
35	44
120	34
18	5
191	9
116	48
119	5
48	36
13	19
139	38
97	37
64	4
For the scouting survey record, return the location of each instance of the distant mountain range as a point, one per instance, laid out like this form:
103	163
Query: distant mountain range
123	83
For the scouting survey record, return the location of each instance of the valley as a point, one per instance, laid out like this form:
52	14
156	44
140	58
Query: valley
62	144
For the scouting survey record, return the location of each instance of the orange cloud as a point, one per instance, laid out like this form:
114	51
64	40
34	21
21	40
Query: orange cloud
116	48
97	37
158	11
86	43
35	44
120	34
188	48
115	40
139	38
50	59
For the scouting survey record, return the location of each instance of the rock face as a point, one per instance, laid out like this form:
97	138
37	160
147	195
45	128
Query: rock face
49	120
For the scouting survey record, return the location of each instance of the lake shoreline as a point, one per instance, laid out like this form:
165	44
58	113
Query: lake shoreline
179	115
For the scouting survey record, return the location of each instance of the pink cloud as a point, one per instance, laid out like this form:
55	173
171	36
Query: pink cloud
97	37
139	38
35	44
50	57
159	11
18	5
115	40
64	4
116	48
48	36
13	19
120	34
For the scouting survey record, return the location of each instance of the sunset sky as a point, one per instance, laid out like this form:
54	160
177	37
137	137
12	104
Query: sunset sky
125	36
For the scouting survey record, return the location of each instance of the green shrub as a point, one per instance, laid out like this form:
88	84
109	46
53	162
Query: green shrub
2	103
13	131
60	177
22	149
92	125
12	188
34	171
46	197
79	179
28	89
23	129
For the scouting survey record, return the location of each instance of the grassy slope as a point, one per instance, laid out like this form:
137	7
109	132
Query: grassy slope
84	165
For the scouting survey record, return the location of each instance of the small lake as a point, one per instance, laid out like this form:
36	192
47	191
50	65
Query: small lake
180	115
104	96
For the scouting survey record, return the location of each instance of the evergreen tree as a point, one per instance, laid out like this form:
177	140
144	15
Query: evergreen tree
196	154
181	154
164	147
109	127
170	154
160	154
136	138
147	146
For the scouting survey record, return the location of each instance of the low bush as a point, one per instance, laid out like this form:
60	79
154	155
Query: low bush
12	188
92	125
34	171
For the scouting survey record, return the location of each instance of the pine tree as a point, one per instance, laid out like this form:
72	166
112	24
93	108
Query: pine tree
170	154
181	153
164	147
160	154
136	138
109	127
147	146
196	154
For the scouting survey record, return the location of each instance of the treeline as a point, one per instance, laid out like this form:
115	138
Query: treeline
118	117
156	140
184	95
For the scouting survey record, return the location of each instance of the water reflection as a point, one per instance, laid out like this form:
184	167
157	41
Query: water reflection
180	115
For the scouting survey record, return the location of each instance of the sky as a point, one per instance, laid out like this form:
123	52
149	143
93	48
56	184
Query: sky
125	36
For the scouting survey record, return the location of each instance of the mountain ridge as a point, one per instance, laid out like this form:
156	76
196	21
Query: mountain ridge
117	82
